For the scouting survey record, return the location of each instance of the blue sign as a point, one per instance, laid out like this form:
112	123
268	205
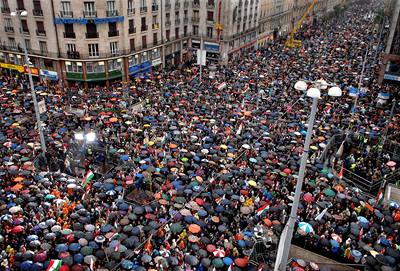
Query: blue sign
146	66
392	77
49	74
134	69
211	47
117	19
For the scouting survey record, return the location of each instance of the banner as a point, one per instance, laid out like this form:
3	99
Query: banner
201	57
12	67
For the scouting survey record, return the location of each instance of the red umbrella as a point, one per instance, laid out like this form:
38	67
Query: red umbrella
241	262
77	267
308	197
199	201
287	171
220	253
41	257
211	248
64	267
17	229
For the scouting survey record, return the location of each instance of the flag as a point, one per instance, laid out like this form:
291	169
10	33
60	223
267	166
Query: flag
218	200
340	174
321	214
115	234
54	265
379	197
262	209
361	233
107	215
88	177
85	195
328	108
230	268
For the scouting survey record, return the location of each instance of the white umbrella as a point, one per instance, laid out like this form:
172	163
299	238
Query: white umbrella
15	209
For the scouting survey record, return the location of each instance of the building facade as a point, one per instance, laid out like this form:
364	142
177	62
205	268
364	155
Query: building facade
97	41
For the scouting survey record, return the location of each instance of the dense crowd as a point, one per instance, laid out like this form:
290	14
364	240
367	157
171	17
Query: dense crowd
216	166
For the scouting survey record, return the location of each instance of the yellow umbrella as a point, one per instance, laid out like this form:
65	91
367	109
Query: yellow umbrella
128	122
252	183
224	147
151	143
314	148
146	126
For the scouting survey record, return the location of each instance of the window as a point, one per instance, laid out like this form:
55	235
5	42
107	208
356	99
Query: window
177	33
93	49
36	5
185	30
91	28
89	6
132	44
24	26
143	20
114	65
154	21
74	66
114	48
167	34
210	15
43	46
4	4
209	32
142	3
95	67
66	6
185	14
155	53
28	44
40	27
20	5
71	47
211	2
131	26
133	60
8	22
155	38
195	30
69	28
12	43
112	28
144	42
130	7
111	5
145	57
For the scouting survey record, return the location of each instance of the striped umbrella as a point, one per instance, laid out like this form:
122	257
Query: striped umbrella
305	227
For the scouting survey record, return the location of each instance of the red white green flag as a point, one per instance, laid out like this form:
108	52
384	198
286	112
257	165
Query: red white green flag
379	197
54	265
262	209
88	177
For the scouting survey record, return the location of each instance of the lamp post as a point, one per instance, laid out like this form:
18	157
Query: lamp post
19	14
286	237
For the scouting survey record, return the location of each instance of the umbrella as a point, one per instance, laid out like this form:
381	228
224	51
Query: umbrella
191	260
308	197
194	228
220	253
329	192
176	227
218	263
305	227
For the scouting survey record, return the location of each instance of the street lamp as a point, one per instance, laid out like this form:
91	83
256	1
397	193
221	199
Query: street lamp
19	14
286	238
89	137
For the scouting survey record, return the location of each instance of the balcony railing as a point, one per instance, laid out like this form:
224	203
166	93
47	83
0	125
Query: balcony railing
177	21
5	10
89	14
185	20
210	5
195	4
132	30
195	19
168	23
112	13
177	5
66	14
40	32
144	28
154	8
9	29
92	35
37	12
113	33
69	35
131	11
25	31
168	6
143	9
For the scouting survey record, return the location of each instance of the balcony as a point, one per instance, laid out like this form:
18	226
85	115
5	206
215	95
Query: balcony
41	33
113	33
177	21
26	31
112	13
69	35
144	28
185	20
115	53
66	14
195	19
92	35
73	54
177	5
210	5
9	29
196	4
132	30
5	10
186	4
38	12
89	14
155	26
131	11
168	6
143	10
154	8
168	23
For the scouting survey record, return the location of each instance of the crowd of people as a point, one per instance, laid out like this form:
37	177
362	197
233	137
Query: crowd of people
216	165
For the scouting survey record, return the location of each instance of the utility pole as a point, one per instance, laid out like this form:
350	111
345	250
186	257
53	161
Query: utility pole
201	57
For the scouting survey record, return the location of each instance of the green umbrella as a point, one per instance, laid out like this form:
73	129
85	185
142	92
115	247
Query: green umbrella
113	150
218	263
176	228
329	192
165	196
324	171
184	159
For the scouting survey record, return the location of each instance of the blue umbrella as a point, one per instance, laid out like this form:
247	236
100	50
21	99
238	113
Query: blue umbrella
334	243
106	228
135	231
26	265
241	243
61	248
227	261
32	238
126	264
78	258
202	213
219	209
74	247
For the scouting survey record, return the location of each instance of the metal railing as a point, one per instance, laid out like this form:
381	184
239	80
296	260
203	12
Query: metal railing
41	33
92	35
5	10
132	30
89	13
113	33
143	9
66	14
112	13
131	11
69	35
37	12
